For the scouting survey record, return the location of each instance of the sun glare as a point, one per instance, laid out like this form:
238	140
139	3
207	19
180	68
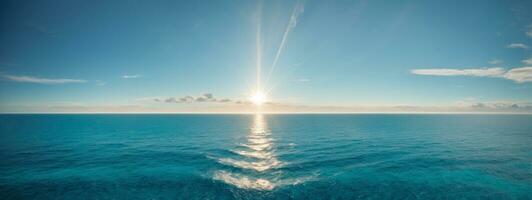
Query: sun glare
258	98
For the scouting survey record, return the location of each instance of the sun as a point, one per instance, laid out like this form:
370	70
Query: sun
258	98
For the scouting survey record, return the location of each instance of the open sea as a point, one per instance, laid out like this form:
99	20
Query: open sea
299	156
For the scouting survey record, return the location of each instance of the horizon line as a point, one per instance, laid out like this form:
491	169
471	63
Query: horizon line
270	113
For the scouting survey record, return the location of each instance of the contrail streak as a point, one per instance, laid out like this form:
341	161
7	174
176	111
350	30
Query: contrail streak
298	9
259	47
259	56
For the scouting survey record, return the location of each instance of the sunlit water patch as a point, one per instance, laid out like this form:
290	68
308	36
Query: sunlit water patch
257	159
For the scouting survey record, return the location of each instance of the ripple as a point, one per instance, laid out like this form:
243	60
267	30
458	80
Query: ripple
248	182
258	147
259	166
242	181
254	154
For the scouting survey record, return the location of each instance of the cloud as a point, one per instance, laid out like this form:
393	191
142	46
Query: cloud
31	79
302	80
131	76
208	95
527	61
495	62
519	75
494	105
529	32
169	100
517	46
186	99
204	98
490	72
467	105
100	83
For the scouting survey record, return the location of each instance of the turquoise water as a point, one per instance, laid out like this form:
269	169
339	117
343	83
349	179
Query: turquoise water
266	157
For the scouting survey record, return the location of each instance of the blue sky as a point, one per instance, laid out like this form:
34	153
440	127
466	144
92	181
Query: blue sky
200	56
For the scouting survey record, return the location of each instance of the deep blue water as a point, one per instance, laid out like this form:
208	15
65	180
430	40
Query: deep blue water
266	157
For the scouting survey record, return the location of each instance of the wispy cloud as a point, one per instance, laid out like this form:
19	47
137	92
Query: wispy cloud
38	80
529	32
519	75
527	61
493	72
100	83
302	80
131	76
517	46
495	62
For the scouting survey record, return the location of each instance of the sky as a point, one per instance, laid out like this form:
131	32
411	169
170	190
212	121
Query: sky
312	56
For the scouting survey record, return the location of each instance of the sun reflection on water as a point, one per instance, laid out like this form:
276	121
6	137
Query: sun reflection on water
256	155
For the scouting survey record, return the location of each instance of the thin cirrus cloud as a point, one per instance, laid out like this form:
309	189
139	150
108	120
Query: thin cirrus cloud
517	46
495	62
302	80
38	80
519	75
490	72
127	76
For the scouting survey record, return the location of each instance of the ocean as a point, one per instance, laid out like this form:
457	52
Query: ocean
292	156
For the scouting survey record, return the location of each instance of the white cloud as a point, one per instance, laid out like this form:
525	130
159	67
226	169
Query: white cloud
131	76
31	79
527	61
529	32
519	75
517	45
495	62
491	72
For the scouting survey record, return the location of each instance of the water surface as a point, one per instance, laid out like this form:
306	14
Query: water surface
366	156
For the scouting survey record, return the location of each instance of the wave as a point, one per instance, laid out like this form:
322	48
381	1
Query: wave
260	140
254	154
258	147
244	182
259	166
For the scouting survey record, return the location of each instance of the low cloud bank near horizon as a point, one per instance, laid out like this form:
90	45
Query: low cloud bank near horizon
465	106
204	98
519	75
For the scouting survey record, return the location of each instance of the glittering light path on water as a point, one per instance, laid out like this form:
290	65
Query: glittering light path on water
258	158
